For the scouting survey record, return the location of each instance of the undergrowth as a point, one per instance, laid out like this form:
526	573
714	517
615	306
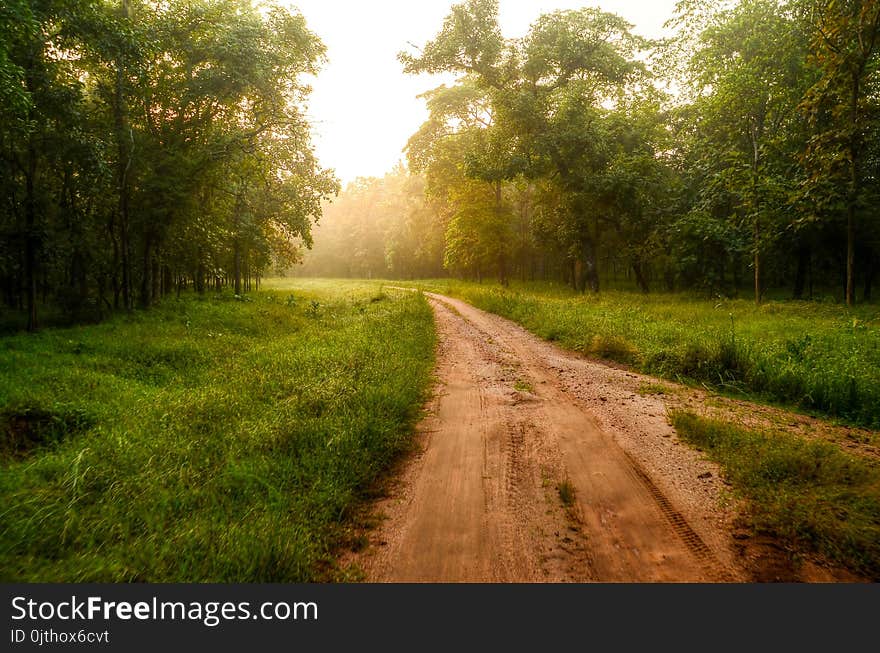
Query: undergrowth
809	494
209	439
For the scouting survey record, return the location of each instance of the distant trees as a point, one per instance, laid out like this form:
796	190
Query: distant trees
544	98
743	150
146	146
745	77
150	146
379	228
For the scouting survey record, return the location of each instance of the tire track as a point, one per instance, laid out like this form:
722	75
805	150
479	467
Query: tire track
681	526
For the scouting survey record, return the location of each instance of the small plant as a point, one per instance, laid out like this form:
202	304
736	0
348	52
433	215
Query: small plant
567	493
290	301
522	386
314	308
647	389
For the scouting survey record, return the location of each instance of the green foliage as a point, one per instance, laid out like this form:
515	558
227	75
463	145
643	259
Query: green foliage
597	170
145	145
470	40
809	494
379	227
528	108
567	493
208	439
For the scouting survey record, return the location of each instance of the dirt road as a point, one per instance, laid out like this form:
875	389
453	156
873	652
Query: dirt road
539	465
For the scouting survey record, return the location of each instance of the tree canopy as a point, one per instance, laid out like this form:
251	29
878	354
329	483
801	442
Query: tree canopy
146	146
742	151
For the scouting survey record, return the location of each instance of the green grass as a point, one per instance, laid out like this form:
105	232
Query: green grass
647	389
206	440
809	494
813	356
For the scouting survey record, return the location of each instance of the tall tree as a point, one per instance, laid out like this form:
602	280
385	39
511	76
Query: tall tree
841	107
745	72
546	93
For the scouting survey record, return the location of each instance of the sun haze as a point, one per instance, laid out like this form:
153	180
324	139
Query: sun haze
363	107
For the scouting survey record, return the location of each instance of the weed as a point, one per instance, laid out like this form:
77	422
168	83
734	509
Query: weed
522	386
566	492
646	389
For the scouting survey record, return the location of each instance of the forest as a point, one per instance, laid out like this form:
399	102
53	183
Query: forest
737	157
148	146
555	343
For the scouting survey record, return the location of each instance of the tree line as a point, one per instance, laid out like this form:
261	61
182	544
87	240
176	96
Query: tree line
739	154
150	146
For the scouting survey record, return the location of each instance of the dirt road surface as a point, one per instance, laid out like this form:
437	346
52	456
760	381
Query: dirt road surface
538	465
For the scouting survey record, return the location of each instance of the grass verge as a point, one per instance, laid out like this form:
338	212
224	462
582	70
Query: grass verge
809	494
206	440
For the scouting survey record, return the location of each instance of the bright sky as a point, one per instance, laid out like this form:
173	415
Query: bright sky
364	108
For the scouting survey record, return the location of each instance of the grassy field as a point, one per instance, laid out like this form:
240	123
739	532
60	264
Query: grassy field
210	439
814	356
809	495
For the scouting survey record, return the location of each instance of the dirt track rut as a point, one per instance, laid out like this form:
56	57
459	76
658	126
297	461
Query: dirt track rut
515	419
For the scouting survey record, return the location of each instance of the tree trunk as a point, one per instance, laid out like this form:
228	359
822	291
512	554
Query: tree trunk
642	281
30	238
591	264
852	200
756	206
146	292
236	266
199	280
577	276
850	253
757	264
800	277
502	258
502	271
117	288
155	278
123	165
125	250
167	280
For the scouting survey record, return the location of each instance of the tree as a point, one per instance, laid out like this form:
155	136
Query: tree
121	121
745	73
841	107
545	94
465	156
